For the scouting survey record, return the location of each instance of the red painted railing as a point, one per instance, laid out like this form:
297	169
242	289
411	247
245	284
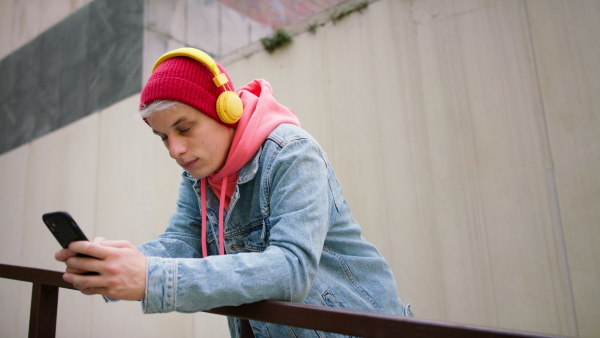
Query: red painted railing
44	302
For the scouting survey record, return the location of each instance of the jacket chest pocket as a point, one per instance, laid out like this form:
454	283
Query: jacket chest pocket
257	236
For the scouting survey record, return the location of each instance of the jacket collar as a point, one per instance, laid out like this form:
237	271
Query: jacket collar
246	173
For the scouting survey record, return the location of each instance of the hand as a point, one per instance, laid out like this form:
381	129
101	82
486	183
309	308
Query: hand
120	266
64	254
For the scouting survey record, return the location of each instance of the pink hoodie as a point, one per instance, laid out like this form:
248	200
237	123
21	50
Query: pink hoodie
261	115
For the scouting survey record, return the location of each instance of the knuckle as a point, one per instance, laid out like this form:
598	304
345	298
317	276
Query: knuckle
71	262
111	268
112	294
86	247
80	285
112	283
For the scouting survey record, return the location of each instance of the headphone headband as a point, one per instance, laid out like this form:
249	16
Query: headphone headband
220	79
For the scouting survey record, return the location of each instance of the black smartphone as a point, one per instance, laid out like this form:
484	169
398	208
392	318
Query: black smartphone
65	230
63	227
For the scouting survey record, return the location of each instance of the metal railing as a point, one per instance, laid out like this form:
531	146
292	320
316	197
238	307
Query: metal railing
46	284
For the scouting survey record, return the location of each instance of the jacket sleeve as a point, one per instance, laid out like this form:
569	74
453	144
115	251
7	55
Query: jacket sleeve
296	176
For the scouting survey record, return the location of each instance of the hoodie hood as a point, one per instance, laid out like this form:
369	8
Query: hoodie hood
262	114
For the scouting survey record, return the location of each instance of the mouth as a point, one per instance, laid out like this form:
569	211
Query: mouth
189	164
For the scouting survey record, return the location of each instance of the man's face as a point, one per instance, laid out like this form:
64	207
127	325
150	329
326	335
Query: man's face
198	143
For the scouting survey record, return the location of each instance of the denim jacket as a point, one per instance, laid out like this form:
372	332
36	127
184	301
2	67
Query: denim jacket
289	236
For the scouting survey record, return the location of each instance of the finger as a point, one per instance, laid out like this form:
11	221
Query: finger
99	240
118	244
93	291
76	271
82	265
90	249
88	292
63	255
81	282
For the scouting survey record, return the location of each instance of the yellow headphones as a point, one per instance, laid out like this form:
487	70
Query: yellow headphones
229	104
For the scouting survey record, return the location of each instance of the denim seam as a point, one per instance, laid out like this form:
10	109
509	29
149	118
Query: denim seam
353	281
325	299
175	282
280	143
245	230
266	178
291	331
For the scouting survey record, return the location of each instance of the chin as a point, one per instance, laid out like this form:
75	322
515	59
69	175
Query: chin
197	175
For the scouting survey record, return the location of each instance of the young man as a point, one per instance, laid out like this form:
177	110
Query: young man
260	213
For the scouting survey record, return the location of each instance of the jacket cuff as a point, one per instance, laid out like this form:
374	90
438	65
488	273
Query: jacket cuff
161	285
109	300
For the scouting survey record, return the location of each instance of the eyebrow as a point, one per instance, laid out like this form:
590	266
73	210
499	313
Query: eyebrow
181	119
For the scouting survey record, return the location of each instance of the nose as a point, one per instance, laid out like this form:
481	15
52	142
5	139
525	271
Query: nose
176	147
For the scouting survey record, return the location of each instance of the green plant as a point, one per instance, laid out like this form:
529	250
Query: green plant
279	39
339	15
312	28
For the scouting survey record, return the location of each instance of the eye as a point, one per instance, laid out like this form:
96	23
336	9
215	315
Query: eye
184	130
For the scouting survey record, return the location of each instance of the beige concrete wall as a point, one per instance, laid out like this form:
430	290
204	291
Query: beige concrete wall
104	170
566	42
465	136
23	20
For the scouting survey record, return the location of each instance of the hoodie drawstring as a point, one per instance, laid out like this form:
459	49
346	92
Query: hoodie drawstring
221	226
203	235
204	216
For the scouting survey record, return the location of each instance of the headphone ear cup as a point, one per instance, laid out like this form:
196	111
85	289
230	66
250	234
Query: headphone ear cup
229	107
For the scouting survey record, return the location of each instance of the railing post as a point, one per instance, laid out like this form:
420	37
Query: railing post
246	329
42	317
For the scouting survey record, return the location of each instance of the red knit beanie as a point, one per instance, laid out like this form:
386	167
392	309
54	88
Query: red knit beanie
187	81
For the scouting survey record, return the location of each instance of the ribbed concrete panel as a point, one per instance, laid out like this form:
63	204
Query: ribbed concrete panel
430	113
494	223
61	175
61	172
13	202
13	169
21	21
566	42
